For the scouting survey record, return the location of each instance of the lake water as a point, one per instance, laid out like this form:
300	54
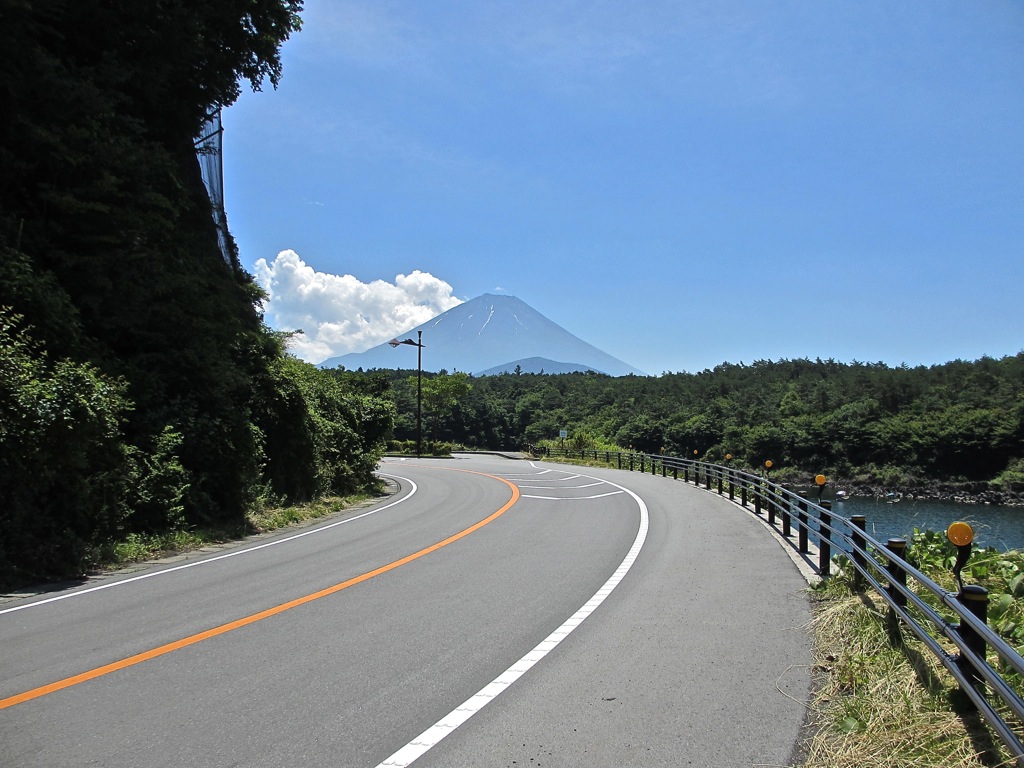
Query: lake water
999	527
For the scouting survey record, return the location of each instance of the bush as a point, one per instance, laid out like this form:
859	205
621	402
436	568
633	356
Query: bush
429	448
63	466
1012	478
319	435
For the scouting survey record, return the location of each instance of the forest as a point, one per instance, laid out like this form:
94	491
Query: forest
961	421
140	389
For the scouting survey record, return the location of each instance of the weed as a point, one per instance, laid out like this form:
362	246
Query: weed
881	697
136	547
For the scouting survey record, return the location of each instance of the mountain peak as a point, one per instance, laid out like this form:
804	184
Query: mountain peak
487	333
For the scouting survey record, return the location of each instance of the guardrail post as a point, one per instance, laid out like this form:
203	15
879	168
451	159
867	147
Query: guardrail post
975	599
732	486
784	508
824	542
675	471
707	478
859	524
743	494
898	547
756	490
719	474
643	463
801	533
631	462
769	502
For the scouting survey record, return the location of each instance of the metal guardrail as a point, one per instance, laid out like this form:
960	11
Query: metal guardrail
883	566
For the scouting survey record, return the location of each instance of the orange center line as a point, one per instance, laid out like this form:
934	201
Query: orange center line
153	653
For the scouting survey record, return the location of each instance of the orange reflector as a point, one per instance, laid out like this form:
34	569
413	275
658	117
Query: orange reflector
961	534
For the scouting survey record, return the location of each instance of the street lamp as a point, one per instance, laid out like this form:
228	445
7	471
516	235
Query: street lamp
419	385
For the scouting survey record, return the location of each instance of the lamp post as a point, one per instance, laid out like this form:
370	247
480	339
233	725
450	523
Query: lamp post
419	385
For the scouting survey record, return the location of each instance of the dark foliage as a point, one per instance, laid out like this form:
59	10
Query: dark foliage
141	389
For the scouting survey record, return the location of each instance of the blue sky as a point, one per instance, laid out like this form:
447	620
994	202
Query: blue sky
678	183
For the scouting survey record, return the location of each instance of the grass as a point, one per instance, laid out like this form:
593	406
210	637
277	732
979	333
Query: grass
881	698
273	518
140	547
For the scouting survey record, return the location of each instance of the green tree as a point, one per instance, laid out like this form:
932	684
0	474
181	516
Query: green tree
440	395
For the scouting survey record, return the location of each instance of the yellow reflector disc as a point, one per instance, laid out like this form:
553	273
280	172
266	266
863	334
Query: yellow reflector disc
960	534
819	479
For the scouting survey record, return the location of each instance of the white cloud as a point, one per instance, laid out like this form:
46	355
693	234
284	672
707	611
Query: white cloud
338	313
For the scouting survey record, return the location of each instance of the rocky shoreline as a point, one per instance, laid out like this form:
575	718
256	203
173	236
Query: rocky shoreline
918	490
973	493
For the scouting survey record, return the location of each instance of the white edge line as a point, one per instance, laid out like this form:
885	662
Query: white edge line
214	559
443	727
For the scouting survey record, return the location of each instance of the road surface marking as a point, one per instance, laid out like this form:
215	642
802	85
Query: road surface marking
446	725
573	498
562	488
207	561
153	653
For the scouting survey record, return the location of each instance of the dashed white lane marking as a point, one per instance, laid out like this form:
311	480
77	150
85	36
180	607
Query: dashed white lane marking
564	488
573	498
446	725
536	475
235	553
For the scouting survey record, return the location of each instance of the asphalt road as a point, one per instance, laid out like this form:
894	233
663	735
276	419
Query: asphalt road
491	613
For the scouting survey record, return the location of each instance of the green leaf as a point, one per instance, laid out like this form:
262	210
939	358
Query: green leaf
1017	586
999	608
850	725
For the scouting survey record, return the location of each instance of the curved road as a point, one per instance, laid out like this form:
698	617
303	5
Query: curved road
624	619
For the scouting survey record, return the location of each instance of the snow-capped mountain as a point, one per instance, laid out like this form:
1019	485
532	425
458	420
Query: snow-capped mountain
489	334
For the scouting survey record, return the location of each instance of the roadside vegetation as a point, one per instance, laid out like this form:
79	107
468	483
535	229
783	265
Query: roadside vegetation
881	698
138	547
